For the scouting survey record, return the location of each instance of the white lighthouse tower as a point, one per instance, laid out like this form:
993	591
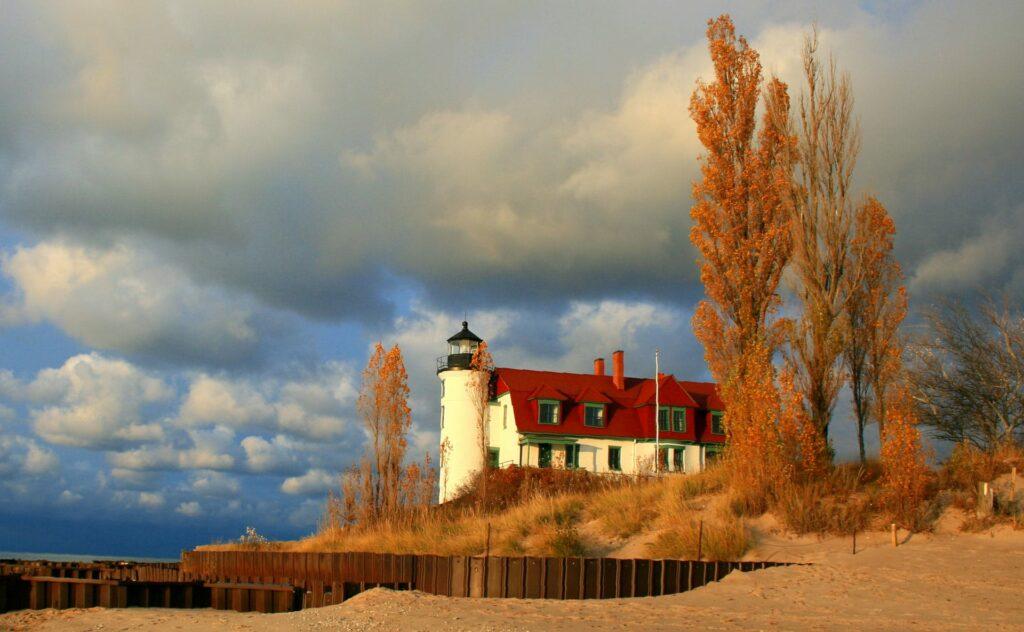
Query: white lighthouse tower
460	432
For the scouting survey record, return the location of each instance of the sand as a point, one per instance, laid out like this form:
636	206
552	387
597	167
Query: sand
930	582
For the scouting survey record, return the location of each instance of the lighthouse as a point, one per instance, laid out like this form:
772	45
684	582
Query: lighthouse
460	431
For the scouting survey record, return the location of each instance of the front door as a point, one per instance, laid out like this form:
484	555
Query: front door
544	456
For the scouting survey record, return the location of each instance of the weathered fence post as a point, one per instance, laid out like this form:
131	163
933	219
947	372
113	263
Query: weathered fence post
986	500
700	539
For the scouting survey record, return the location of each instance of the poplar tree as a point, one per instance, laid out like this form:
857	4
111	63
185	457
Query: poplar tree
741	231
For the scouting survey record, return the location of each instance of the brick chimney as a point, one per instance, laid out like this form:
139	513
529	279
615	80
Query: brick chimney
619	369
598	366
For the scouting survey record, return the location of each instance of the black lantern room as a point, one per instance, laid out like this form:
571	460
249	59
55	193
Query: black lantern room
461	348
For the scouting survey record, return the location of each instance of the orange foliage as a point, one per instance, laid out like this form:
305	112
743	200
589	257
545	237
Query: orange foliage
741	230
876	309
904	471
383	404
482	366
381	487
805	450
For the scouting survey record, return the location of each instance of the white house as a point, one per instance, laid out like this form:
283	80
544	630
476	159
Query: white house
594	421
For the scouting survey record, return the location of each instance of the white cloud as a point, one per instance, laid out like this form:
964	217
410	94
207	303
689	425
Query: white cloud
68	497
313	482
39	460
279	455
170	458
129	500
223	401
214	484
312	403
190	508
95	402
22	456
125	299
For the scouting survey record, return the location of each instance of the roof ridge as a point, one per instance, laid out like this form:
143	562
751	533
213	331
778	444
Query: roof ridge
628	377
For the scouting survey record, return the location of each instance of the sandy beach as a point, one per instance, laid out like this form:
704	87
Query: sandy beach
930	582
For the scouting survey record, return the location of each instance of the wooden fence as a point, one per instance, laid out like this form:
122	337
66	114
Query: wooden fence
270	581
327	578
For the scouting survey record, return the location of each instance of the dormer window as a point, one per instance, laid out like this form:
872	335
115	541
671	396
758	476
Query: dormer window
663	414
679	420
548	412
593	415
717	426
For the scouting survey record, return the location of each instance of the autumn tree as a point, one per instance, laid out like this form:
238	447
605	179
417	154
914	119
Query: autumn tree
382	487
876	307
383	405
823	211
479	384
904	470
742	232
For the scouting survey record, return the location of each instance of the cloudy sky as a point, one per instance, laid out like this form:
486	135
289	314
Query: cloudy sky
209	211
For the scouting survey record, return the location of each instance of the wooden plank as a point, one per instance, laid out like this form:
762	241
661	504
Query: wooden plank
626	579
477	576
67	580
609	578
573	578
57	595
444	576
515	577
554	577
497	570
239	598
460	576
657	583
591	578
669	577
641	578
533	583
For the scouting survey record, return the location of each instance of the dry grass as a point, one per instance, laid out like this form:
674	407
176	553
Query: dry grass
727	538
547	514
624	512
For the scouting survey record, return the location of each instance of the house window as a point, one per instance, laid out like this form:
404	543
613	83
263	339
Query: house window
544	455
504	417
593	415
677	459
442	418
572	457
663	419
442	389
615	459
679	419
717	427
663	460
547	412
493	457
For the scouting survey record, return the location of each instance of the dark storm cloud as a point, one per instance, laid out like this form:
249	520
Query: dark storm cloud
307	157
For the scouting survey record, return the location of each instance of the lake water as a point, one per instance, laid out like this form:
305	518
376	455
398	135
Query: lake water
67	557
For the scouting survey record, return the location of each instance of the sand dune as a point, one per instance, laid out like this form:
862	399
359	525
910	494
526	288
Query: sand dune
931	582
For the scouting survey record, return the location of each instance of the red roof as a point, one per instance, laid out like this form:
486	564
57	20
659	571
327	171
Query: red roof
629	413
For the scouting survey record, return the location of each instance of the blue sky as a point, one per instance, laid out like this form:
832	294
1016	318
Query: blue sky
210	211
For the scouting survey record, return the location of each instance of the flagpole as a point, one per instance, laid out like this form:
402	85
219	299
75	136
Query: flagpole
657	411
